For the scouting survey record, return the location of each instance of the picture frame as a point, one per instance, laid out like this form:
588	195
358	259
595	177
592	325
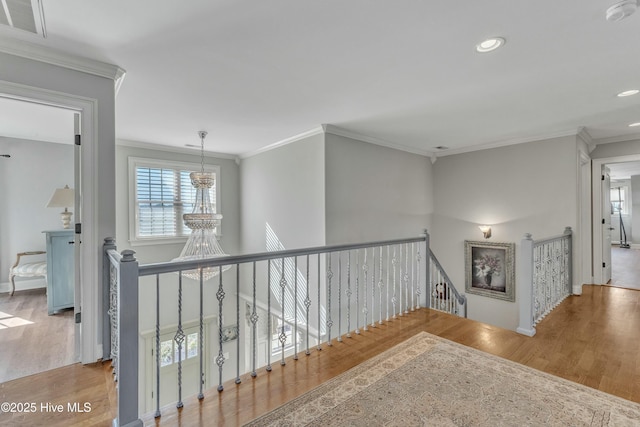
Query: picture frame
230	333
490	269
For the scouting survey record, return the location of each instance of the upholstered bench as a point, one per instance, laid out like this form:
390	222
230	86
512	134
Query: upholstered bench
27	269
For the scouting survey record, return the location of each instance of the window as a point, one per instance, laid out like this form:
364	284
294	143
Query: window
276	330
169	354
618	200
161	192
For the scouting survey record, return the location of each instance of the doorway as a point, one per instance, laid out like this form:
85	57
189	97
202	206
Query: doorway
614	250
38	141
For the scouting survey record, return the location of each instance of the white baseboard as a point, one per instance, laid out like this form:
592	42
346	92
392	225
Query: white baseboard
633	245
24	285
528	332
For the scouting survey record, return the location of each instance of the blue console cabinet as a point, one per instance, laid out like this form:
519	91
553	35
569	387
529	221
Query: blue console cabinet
60	270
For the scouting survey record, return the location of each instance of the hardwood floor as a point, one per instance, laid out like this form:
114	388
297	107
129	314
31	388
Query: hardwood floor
589	339
31	341
625	268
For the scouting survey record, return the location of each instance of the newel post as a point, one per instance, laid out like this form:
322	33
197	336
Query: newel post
128	342
525	279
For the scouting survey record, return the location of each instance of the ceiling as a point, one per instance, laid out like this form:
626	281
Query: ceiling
624	170
404	72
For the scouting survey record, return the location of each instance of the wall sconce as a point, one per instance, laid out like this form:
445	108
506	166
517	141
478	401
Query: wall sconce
486	230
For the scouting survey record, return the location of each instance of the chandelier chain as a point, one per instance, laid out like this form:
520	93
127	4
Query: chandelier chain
202	135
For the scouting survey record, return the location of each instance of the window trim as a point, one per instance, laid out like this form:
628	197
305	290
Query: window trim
135	162
625	190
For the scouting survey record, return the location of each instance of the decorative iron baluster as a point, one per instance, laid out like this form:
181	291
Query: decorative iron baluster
401	280
201	339
329	320
157	414
348	294
220	359
388	282
405	278
373	287
283	336
179	339
365	310
269	333
295	308
380	285
238	380
357	292
254	322
394	300
307	304
114	284
319	305
418	287
413	277
339	296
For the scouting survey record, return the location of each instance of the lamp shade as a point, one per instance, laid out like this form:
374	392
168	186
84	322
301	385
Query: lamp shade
62	198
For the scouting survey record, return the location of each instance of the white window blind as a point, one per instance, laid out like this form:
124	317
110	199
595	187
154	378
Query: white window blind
162	193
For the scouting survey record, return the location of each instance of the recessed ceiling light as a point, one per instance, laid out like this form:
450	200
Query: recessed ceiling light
628	93
632	125
490	44
621	10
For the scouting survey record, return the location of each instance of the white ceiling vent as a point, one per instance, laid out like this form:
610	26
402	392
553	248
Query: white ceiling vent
26	15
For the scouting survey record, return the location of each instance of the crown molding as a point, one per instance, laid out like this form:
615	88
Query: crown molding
315	131
506	143
171	149
586	137
335	130
51	56
619	138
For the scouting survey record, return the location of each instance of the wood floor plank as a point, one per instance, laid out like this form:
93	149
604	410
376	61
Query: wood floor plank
34	341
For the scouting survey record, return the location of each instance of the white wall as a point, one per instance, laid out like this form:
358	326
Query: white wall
616	149
518	189
284	188
375	193
27	181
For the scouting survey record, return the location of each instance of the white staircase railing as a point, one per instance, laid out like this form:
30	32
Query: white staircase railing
443	295
317	296
545	277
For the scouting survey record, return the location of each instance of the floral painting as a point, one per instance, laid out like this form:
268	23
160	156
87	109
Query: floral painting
490	269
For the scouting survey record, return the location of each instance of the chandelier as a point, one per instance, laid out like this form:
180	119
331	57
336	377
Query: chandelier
202	221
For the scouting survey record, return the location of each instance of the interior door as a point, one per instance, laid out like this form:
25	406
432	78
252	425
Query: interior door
77	295
606	225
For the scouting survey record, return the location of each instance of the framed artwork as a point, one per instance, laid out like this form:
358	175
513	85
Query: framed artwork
230	333
490	269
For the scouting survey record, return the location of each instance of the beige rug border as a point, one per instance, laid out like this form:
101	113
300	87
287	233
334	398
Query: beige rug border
320	389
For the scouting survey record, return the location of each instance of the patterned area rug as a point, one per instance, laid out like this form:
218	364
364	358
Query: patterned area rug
428	380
